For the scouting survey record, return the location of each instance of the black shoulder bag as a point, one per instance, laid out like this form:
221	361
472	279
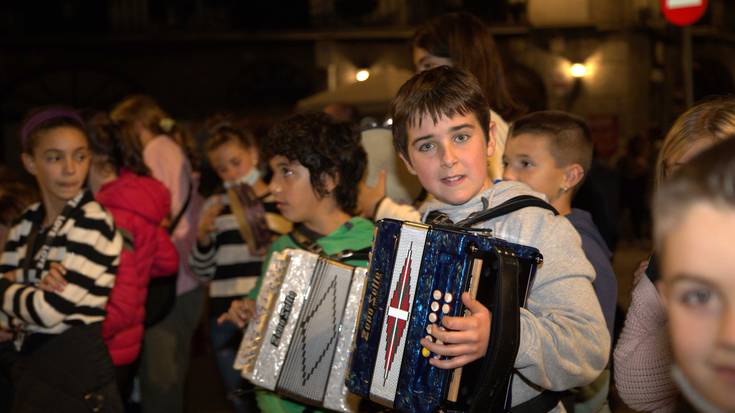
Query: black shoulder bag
162	290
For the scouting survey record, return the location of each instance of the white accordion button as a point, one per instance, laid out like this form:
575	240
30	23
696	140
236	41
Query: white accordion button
445	309
435	306
448	297
432	318
437	295
428	328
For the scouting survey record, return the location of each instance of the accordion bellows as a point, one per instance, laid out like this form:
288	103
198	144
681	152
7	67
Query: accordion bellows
298	344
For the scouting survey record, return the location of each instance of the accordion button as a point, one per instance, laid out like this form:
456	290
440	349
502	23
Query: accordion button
445	309
430	338
428	328
435	306
437	295
448	297
425	352
432	318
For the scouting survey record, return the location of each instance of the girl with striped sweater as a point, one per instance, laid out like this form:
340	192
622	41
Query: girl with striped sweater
230	248
62	363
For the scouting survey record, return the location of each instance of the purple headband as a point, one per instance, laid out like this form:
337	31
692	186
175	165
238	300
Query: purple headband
46	115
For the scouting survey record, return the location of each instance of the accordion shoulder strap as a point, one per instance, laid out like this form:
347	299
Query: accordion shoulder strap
511	205
492	391
305	240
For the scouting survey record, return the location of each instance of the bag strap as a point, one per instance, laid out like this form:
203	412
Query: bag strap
306	241
543	402
494	385
511	205
497	368
172	226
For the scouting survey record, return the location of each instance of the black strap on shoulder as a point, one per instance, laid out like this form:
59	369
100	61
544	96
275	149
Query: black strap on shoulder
511	205
544	402
172	226
307	240
497	368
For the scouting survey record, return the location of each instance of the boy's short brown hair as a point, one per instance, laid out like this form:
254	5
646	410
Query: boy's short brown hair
568	136
439	92
708	178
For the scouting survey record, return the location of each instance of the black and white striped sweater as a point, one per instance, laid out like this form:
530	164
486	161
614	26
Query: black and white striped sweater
227	262
87	246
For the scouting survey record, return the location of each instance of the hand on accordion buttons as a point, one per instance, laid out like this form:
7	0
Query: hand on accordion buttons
240	312
463	339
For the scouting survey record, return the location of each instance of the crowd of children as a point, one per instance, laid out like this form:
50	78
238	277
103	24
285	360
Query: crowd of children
107	271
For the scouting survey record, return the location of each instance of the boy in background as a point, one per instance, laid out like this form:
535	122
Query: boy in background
551	151
441	129
317	164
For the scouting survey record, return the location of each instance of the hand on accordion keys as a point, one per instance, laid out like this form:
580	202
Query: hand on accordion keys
463	339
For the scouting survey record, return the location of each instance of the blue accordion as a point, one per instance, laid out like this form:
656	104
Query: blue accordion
417	275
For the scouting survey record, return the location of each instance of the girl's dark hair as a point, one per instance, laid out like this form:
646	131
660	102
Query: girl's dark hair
121	149
467	41
15	197
40	120
324	147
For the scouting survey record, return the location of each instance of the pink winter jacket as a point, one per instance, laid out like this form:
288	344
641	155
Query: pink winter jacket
138	205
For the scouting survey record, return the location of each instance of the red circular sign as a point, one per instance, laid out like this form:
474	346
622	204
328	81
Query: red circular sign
683	12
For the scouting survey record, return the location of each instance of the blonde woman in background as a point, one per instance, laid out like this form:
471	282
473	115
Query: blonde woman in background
642	356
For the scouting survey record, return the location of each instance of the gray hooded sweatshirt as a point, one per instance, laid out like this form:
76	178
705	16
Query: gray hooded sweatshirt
564	339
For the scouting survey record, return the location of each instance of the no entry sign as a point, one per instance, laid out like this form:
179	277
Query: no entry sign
683	12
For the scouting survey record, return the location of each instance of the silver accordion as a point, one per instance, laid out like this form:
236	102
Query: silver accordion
298	344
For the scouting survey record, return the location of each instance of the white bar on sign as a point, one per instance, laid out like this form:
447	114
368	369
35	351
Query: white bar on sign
680	4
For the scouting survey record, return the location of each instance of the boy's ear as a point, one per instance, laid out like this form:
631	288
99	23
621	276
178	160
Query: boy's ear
29	163
573	175
408	164
330	181
491	139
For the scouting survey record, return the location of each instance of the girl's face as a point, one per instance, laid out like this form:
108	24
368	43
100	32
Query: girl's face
60	161
232	161
423	60
698	287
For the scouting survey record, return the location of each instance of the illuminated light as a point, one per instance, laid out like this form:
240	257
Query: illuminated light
362	75
578	70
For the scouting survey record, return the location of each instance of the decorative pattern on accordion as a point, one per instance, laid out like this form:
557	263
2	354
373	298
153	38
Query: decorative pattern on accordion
305	345
440	264
281	325
253	337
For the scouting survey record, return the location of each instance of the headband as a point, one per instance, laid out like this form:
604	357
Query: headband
46	115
